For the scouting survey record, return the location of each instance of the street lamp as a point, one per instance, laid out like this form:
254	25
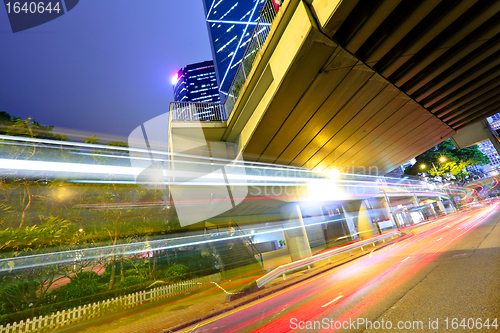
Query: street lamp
435	170
441	159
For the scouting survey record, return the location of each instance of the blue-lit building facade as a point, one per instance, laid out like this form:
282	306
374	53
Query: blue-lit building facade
196	83
488	149
230	25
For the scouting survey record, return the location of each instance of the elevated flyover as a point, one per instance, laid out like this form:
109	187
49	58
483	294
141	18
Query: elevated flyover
483	186
362	84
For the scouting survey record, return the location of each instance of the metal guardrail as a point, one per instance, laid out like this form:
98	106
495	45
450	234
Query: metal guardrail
190	111
255	43
302	263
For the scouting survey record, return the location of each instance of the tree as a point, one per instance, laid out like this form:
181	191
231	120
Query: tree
41	215
28	127
25	187
449	161
27	279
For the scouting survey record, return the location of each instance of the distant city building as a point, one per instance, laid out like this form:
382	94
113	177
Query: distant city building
230	25
495	124
400	170
408	164
494	118
196	83
476	169
487	148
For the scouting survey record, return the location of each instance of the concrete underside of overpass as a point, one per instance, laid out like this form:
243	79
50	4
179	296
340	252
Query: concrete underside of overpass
356	85
324	108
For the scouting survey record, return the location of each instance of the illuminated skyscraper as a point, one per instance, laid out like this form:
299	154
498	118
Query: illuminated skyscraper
230	25
495	117
487	147
196	83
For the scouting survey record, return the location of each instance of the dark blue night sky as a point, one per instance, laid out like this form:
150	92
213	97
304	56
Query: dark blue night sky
104	67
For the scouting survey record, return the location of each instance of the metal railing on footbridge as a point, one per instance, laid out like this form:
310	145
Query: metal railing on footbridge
190	111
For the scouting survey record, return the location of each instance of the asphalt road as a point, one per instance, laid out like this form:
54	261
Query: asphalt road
444	278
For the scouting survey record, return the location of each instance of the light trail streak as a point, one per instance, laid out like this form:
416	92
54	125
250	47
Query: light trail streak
65	257
400	278
391	277
27	165
299	176
356	291
96	170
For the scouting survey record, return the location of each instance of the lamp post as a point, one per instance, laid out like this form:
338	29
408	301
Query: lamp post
423	166
441	159
435	170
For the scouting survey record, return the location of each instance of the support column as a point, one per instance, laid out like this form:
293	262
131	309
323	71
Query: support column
295	232
387	205
365	227
362	221
433	211
452	205
390	214
441	206
349	223
314	222
417	202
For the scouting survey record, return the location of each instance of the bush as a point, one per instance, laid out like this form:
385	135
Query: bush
104	277
13	296
131	281
200	264
77	289
135	272
178	273
87	275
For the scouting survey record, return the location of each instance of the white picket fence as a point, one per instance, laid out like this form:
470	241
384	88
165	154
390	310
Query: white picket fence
67	317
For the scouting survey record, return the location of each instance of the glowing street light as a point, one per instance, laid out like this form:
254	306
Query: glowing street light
423	166
442	159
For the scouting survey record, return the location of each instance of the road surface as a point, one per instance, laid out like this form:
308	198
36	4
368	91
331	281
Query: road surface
445	277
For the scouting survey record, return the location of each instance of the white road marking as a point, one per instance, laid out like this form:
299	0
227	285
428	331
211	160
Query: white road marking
405	259
336	299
